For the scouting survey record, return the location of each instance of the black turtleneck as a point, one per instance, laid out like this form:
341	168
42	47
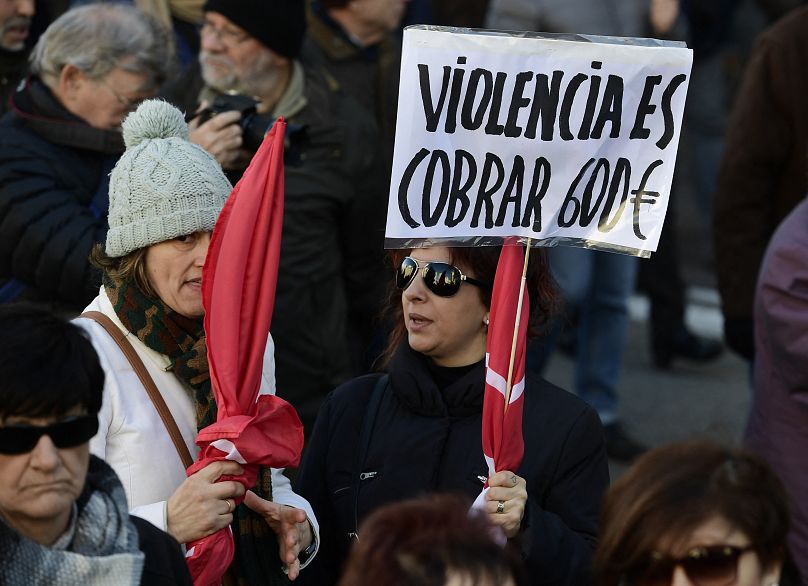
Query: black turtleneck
427	389
443	376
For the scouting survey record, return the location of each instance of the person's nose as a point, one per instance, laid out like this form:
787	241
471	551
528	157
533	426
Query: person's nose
45	455
211	41
416	291
25	8
680	577
201	249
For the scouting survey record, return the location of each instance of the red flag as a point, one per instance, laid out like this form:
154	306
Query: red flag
238	293
503	445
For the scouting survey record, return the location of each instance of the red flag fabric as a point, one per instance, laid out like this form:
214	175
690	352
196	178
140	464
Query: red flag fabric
238	294
503	444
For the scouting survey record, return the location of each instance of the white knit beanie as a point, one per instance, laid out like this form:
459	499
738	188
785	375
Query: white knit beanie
163	186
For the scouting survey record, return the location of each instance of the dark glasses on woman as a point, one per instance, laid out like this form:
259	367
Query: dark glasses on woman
714	565
441	278
67	433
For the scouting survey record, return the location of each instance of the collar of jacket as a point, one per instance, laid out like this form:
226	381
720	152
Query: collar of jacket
293	99
336	42
39	110
329	35
415	388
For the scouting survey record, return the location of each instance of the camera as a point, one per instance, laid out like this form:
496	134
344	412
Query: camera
253	125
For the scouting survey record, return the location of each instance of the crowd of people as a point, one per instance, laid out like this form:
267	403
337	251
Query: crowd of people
125	126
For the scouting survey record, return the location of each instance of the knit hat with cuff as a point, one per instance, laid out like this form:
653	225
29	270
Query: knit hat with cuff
163	186
279	25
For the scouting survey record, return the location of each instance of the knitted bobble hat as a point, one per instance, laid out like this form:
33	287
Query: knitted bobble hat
163	186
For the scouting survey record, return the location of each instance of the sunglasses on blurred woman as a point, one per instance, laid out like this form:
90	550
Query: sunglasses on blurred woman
714	565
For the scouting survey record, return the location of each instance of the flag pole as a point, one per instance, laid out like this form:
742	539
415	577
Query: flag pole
509	380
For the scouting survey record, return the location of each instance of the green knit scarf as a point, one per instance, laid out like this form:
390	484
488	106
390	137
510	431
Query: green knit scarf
182	339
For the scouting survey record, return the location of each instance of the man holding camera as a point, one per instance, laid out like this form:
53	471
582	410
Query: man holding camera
333	227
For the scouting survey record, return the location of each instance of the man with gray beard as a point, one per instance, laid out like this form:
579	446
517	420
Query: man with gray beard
329	281
15	22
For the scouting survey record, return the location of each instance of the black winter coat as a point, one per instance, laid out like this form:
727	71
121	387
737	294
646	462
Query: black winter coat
164	563
53	200
330	279
426	440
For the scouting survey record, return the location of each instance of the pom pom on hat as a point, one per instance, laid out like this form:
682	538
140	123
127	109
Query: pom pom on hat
153	119
163	186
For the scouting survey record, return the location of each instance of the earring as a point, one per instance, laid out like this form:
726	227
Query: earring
485	320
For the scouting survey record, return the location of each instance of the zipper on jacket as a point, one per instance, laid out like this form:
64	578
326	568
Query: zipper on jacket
362	476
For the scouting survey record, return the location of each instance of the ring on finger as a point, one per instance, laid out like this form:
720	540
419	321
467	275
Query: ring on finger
501	507
230	505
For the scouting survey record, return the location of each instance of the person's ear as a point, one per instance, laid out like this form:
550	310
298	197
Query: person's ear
70	83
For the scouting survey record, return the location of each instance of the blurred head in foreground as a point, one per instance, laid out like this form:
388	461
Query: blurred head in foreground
694	513
433	541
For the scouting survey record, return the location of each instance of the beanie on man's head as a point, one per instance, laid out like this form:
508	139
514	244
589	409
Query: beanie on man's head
280	25
163	186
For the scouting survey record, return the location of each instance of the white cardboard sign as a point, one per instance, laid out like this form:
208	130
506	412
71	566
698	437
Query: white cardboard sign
559	139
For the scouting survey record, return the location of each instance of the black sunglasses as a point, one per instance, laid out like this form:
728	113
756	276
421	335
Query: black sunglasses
67	433
441	278
713	565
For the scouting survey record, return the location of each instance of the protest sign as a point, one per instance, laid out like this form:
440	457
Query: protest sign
558	138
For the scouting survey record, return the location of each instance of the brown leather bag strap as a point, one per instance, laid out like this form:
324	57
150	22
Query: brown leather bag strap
146	380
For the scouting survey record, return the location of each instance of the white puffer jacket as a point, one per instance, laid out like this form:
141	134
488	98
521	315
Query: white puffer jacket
131	436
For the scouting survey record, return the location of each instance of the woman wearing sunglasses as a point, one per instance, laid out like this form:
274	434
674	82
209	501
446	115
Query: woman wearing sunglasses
417	428
63	513
695	513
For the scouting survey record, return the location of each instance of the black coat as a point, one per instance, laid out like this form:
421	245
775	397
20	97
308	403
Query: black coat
53	200
426	440
164	564
370	74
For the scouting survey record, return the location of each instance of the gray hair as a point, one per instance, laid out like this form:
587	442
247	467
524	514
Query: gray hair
97	38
